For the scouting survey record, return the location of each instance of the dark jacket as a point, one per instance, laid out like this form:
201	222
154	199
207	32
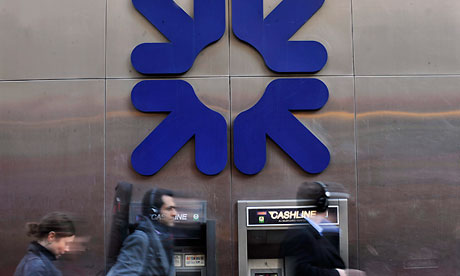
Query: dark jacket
143	253
309	253
37	262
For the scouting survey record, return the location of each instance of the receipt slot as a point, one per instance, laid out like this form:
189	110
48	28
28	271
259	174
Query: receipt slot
262	227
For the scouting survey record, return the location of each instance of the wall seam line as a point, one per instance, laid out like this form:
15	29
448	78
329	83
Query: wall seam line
105	137
355	133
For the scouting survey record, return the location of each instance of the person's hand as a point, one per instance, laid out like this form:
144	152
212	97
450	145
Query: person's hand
351	272
354	272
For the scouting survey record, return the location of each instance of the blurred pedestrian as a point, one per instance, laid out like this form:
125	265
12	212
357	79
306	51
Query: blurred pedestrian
307	248
52	236
149	250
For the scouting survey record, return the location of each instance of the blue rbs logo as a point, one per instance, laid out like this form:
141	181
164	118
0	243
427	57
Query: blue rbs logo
270	117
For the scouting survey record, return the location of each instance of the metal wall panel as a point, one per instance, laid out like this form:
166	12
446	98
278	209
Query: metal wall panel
127	127
407	190
51	159
281	176
393	37
408	131
331	26
127	28
52	39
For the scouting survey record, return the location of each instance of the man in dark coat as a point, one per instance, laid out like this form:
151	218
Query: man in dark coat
149	250
306	248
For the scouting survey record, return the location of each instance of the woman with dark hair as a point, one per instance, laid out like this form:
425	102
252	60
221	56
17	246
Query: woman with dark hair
53	235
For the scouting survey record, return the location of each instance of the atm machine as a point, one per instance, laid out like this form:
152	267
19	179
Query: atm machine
263	224
194	234
194	237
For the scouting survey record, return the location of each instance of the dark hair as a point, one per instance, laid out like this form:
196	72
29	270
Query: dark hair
309	191
57	222
154	198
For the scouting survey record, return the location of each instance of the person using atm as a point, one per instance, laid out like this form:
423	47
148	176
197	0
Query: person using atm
312	253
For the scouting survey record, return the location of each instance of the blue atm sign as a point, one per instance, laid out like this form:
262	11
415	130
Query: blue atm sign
188	117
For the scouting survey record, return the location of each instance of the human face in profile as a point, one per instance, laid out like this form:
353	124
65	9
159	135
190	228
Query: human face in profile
168	211
59	246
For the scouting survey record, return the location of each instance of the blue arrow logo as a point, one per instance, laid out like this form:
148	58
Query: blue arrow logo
271	117
270	35
187	36
188	117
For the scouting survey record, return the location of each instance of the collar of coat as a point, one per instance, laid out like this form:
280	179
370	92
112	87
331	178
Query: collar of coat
37	248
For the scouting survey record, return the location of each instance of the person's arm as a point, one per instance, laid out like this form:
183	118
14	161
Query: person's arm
307	269
305	250
132	255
